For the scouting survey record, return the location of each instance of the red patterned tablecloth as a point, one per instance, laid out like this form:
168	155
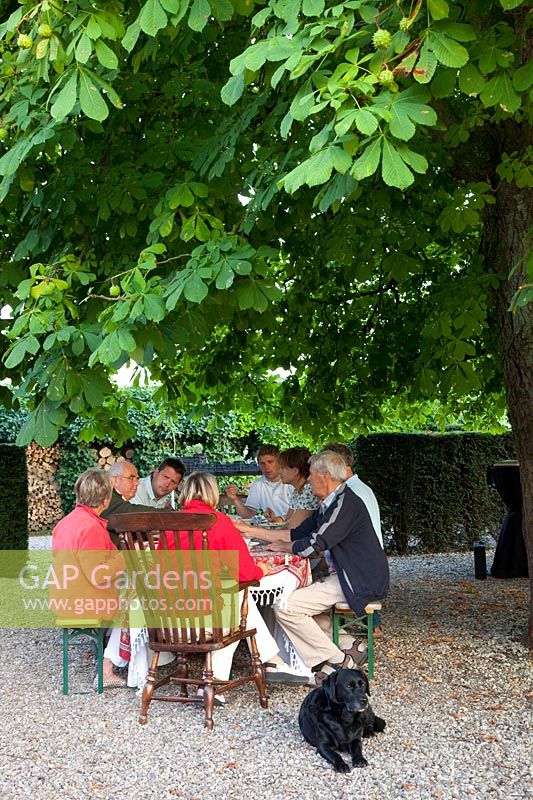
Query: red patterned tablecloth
278	562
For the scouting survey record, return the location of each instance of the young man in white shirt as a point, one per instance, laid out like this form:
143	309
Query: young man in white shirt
156	488
267	493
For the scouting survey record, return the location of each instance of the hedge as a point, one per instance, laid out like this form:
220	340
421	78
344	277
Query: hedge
13	498
432	489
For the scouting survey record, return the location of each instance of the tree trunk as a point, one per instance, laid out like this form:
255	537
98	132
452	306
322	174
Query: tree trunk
505	248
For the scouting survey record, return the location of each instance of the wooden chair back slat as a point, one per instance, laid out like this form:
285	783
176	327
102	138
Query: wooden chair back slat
201	632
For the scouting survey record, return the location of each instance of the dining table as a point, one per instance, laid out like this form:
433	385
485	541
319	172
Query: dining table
287	572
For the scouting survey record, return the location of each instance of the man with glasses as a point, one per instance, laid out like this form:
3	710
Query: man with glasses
125	481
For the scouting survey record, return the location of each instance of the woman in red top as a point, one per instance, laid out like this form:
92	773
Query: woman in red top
199	494
81	540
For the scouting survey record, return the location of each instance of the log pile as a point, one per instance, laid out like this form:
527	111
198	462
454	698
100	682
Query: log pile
44	502
106	457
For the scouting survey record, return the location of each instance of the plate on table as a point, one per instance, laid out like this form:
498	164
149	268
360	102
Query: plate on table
254	543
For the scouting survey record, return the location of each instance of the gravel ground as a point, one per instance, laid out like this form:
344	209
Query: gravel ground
453	682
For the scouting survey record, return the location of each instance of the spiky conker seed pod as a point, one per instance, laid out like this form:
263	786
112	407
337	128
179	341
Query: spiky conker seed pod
386	77
24	41
381	39
45	30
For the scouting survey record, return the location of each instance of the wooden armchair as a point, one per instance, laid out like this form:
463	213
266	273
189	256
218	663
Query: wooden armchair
197	633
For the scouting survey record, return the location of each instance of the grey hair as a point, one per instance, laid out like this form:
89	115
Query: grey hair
93	487
327	461
116	469
200	486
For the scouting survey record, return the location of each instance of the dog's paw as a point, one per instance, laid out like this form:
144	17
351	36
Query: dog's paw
360	763
379	725
341	766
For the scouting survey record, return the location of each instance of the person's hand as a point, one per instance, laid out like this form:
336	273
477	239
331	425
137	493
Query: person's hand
169	505
280	546
272	517
244	528
231	491
264	567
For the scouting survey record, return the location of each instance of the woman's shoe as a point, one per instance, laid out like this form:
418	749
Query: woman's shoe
110	684
282	673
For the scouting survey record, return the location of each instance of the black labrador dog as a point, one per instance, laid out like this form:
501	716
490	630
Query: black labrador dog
337	715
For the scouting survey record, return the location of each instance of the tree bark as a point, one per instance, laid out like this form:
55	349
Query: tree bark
505	246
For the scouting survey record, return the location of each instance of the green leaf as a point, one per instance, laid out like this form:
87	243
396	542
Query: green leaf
393	169
42	425
415	160
407	108
130	37
448	51
83	49
152	17
199	15
340	159
172	6
233	89
126	340
93	29
508	5
313	8
438	9
471	81
28	344
42	48
313	172
443	84
523	77
180	195
425	66
499	91
222	10
225	277
460	31
109	351
66	98
91	101
366	122
195	290
368	161
105	55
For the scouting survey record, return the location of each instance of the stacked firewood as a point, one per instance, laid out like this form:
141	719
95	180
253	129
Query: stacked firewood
44	502
106	457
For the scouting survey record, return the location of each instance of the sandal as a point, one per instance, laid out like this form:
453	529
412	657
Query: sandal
109	684
353	658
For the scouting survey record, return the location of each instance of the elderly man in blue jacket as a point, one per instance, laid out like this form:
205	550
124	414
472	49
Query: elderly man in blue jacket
358	571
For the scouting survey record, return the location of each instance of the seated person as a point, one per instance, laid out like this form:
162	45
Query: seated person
357	486
156	489
199	495
84	532
125	478
358	568
294	471
266	493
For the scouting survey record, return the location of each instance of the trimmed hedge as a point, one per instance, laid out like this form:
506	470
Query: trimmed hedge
432	489
13	498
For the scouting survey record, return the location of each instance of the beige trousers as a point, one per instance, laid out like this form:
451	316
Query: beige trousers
307	624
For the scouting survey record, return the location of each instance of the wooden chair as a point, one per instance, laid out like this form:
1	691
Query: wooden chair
344	616
196	635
